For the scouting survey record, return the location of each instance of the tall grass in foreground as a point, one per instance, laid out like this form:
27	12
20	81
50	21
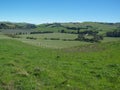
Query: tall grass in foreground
89	67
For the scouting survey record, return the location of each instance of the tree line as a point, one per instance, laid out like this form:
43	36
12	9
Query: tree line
115	33
89	36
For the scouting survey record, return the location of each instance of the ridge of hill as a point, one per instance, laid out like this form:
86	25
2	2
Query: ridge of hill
75	26
59	26
10	25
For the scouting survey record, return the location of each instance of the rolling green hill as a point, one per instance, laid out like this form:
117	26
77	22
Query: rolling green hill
88	67
82	26
56	61
10	25
67	27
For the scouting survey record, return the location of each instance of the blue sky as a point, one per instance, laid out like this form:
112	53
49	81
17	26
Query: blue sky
47	11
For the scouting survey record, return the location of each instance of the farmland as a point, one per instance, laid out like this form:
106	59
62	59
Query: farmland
44	40
29	67
56	61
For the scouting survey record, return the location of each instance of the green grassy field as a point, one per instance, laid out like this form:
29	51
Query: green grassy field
89	67
58	44
55	61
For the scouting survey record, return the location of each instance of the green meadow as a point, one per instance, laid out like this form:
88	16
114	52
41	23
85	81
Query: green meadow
24	65
48	56
44	40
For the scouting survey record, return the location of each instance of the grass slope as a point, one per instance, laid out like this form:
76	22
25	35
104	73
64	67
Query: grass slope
89	67
55	27
41	41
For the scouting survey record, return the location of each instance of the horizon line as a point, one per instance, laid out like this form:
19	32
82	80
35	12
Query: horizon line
59	22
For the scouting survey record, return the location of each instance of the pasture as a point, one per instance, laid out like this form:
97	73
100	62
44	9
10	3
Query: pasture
27	67
44	40
39	63
65	40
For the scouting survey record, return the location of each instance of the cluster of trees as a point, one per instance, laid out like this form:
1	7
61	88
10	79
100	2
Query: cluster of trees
83	36
52	38
31	38
69	32
41	32
20	33
115	33
86	27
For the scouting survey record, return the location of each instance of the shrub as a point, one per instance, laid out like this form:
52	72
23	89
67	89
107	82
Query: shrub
31	38
115	33
54	38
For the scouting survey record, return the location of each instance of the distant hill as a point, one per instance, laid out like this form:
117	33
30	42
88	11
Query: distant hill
66	27
82	26
10	25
